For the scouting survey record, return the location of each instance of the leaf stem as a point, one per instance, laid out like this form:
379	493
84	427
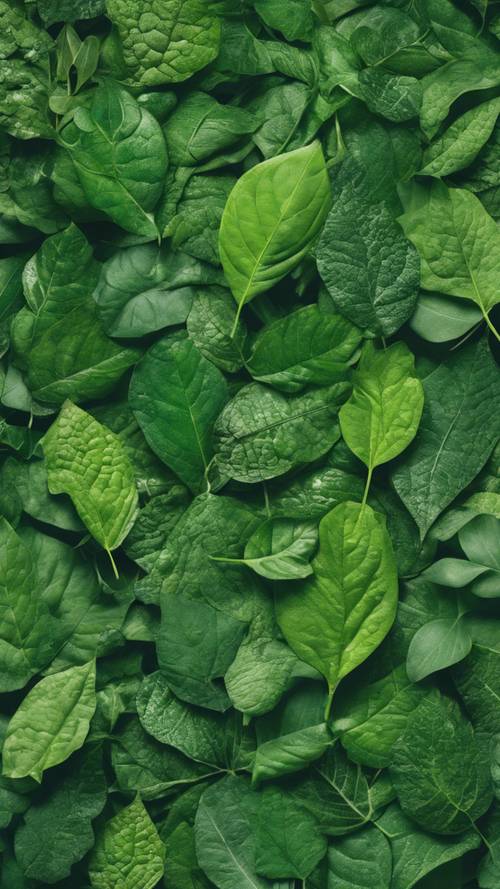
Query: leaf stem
236	320
328	708
491	326
113	563
367	486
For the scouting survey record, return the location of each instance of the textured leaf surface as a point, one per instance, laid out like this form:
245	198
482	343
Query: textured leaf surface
51	722
176	396
128	851
165	42
460	406
88	462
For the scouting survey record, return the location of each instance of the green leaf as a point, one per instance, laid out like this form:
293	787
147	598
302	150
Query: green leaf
144	766
177	38
304	347
128	851
262	240
361	861
29	635
383	413
69	10
200	127
439	770
437	645
145	288
370	269
57	829
458	242
438	318
290	752
261	433
416	853
461	142
205	736
280	549
287	841
88	462
51	722
457	433
335	619
195	646
210	324
369	717
119	153
477	678
225	845
336	792
176	396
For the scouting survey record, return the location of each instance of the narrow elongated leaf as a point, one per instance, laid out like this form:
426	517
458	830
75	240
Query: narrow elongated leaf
51	722
335	619
382	415
272	215
176	396
128	851
88	462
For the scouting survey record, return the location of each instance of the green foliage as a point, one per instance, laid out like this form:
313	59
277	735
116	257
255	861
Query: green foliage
249	459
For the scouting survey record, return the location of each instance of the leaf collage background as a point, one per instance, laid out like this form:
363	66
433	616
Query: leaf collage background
249	429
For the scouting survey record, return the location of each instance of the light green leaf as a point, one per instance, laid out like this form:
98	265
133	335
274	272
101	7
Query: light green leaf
461	142
128	852
271	218
280	549
119	152
261	433
336	618
458	242
51	722
383	413
307	346
176	396
371	716
165	42
439	770
88	462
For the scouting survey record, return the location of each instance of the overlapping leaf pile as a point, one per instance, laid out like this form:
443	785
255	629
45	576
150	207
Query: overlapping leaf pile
250	411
